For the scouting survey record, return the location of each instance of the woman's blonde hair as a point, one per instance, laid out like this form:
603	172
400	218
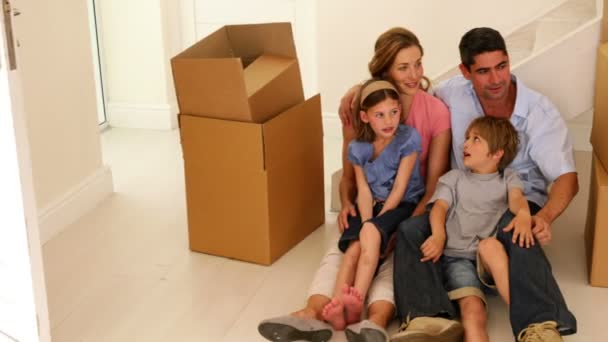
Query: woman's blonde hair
387	46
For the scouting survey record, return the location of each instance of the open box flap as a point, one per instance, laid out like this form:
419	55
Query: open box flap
253	40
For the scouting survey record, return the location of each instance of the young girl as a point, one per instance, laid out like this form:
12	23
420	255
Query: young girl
385	160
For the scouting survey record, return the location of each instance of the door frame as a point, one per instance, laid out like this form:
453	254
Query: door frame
19	223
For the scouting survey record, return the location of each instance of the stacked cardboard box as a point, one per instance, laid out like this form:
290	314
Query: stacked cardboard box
252	146
596	231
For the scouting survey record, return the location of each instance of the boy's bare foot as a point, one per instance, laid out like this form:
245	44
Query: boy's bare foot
353	304
333	313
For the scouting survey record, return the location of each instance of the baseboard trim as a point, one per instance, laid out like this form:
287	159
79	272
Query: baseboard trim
160	117
75	203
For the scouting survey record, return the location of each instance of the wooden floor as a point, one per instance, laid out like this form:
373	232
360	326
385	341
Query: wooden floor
124	271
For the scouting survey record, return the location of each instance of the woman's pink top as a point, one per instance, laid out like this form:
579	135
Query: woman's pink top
430	117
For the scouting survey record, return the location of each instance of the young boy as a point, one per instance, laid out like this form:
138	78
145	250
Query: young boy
467	206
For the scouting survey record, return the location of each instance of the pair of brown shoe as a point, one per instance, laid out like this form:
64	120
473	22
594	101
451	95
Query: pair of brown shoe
436	329
429	329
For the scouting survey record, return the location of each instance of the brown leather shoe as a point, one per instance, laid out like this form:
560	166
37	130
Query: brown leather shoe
429	329
540	332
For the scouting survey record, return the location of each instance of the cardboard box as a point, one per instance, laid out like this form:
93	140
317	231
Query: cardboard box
599	138
596	230
604	28
244	73
254	190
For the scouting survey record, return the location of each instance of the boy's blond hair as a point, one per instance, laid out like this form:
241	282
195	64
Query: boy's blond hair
500	135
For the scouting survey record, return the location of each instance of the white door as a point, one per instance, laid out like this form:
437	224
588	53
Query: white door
23	305
199	18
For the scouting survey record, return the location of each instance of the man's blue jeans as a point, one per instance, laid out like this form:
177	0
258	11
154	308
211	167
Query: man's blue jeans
535	295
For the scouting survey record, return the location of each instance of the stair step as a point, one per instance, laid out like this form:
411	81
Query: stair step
542	32
520	43
549	31
573	10
562	20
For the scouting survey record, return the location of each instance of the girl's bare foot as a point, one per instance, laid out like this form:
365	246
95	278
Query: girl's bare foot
333	313
353	305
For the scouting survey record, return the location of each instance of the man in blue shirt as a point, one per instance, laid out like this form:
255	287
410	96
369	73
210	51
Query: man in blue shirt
537	309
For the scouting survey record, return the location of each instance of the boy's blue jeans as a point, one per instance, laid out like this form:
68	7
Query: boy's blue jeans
535	295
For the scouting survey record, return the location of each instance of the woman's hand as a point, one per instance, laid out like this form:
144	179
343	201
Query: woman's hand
347	105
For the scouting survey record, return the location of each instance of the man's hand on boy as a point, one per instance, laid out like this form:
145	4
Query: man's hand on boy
541	228
522	229
432	248
347	210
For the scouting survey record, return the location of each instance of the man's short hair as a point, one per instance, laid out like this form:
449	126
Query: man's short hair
477	41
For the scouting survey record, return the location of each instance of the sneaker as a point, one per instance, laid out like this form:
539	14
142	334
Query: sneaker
290	328
540	332
429	329
365	331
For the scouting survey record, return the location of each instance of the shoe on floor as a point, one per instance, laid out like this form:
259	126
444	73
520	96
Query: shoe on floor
429	329
290	328
540	332
365	331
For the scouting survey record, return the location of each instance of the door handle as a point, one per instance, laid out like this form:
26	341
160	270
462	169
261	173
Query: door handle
8	29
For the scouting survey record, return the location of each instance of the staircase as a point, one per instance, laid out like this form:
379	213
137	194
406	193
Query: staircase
555	54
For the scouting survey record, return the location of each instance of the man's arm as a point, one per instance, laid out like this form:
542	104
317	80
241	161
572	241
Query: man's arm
562	192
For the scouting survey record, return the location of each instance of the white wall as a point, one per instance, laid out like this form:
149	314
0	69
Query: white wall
136	42
57	75
346	44
59	94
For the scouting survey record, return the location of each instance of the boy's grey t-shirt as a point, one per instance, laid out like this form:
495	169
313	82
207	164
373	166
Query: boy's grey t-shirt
476	204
